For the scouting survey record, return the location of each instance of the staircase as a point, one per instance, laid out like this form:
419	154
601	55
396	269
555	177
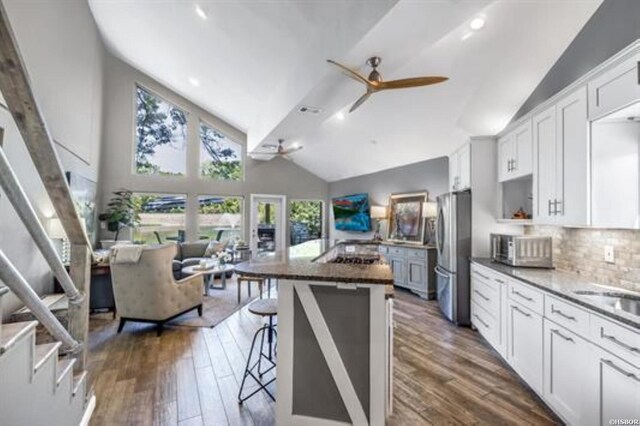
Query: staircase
38	384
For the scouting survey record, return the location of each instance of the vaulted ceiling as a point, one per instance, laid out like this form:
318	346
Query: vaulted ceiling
255	63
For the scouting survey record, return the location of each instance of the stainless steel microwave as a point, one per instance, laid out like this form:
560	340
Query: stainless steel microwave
522	250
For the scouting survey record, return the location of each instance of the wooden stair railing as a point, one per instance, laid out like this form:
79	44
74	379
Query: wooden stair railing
21	101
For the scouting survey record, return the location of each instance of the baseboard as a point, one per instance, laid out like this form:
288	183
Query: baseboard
88	412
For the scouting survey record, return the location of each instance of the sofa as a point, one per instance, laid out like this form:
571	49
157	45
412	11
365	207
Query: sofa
189	254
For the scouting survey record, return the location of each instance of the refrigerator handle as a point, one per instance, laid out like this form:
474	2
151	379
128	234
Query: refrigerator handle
442	273
439	226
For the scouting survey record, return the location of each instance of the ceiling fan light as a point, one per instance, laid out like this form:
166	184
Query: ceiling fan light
340	115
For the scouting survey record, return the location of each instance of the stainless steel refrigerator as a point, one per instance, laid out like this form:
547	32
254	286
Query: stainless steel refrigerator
453	239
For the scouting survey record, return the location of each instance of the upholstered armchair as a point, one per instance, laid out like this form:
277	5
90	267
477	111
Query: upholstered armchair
145	291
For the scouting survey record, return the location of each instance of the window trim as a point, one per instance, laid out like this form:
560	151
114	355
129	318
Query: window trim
134	143
226	135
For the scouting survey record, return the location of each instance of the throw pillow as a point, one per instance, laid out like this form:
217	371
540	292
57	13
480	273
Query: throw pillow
214	247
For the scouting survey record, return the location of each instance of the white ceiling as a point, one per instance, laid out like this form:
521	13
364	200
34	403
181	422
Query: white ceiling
285	44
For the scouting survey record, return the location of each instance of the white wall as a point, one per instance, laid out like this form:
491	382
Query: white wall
63	53
277	176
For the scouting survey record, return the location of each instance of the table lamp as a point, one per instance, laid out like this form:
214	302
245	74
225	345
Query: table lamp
378	213
429	213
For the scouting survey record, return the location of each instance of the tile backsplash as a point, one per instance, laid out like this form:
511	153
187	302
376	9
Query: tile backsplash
581	250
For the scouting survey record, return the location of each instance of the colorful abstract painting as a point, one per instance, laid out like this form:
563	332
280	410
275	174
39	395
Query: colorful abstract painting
351	213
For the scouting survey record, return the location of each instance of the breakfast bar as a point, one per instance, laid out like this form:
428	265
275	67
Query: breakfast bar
335	337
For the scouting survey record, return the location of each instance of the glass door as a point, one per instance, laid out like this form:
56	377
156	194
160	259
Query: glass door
267	224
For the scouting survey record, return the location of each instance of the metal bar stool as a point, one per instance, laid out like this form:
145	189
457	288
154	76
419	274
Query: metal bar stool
248	279
264	308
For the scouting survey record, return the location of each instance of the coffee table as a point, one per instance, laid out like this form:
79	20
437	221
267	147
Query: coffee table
210	275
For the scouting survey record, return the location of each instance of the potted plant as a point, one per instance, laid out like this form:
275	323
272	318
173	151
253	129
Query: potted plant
120	214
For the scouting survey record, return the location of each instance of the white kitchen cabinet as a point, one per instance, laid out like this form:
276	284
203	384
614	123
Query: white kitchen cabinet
570	386
524	342
618	385
460	169
398	265
615	88
515	153
561	147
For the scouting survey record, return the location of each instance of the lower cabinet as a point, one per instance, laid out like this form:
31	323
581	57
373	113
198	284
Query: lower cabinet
618	384
570	387
413	268
524	343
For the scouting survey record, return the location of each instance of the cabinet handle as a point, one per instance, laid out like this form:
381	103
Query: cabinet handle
522	295
481	322
550	202
514	165
618	342
521	311
568	339
508	165
499	280
620	370
481	295
562	314
480	275
410	273
557	211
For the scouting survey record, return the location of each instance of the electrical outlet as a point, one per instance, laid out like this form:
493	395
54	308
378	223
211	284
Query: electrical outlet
609	257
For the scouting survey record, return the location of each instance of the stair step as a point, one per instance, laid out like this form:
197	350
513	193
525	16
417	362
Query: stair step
54	302
44	352
13	332
78	380
65	367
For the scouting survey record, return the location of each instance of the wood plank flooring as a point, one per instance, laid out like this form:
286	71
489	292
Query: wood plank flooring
190	376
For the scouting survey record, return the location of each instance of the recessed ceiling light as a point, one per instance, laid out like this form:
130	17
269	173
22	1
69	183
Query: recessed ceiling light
194	81
476	24
201	13
340	115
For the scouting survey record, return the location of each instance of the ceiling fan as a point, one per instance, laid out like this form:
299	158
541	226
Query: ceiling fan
279	149
374	82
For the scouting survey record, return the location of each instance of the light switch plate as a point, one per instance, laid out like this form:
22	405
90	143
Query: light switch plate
609	256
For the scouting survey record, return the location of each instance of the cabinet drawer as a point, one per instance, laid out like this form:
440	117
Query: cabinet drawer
567	314
526	296
397	251
486	324
383	249
616	338
417	254
489	277
486	296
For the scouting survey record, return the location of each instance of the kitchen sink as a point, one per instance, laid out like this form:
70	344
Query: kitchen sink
628	302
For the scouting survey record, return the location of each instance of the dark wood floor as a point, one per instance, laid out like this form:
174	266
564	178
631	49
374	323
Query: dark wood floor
190	376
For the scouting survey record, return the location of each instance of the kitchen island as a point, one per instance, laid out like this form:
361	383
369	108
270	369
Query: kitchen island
334	332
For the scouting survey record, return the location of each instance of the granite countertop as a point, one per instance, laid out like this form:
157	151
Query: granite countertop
305	262
564	284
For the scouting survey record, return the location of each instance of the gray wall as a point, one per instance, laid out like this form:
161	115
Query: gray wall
62	50
431	175
615	25
277	176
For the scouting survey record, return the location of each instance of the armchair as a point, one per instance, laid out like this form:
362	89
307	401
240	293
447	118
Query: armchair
146	291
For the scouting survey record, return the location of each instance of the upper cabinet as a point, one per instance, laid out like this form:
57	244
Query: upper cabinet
515	153
460	169
615	88
561	147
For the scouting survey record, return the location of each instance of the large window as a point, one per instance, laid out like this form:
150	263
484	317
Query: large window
161	136
220	218
220	157
305	219
162	218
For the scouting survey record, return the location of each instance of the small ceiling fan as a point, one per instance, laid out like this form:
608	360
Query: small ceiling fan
374	82
279	149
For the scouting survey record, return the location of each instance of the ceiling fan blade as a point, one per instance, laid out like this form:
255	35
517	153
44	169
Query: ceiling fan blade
350	73
406	83
360	101
291	150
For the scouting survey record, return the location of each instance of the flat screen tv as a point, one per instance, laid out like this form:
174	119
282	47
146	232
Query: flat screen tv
351	213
